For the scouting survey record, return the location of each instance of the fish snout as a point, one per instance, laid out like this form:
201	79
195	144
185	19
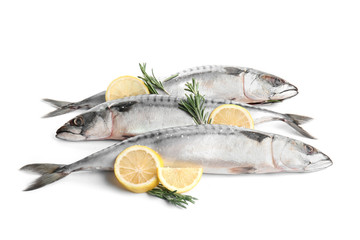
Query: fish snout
320	164
287	91
69	133
62	129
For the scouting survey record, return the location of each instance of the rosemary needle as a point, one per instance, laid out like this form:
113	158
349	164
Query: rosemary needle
151	82
172	197
194	103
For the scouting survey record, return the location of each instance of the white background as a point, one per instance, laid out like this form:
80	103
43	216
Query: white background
69	50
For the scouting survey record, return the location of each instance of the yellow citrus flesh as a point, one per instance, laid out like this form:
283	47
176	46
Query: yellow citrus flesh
125	86
136	168
179	179
231	114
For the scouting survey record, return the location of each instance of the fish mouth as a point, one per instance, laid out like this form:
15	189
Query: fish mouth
319	165
290	91
65	133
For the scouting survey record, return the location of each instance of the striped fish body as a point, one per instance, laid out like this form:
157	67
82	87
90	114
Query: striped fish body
244	85
214	82
218	149
132	116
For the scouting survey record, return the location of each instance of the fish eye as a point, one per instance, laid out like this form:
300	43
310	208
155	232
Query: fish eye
278	82
78	121
309	149
275	81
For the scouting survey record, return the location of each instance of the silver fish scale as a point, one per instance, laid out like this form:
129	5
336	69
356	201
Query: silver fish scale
188	131
149	98
218	149
215	148
204	69
139	114
198	145
166	100
154	98
245	85
213	82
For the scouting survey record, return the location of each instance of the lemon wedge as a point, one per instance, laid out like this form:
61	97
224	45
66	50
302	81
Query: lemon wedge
231	114
125	86
179	179
136	168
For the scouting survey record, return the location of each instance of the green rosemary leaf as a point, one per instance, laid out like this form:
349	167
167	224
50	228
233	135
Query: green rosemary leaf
172	197
151	82
194	103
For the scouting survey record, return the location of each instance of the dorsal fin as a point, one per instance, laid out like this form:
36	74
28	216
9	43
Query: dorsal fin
256	136
233	71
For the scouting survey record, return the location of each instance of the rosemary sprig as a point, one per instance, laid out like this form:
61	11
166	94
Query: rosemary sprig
194	106
194	103
151	82
172	197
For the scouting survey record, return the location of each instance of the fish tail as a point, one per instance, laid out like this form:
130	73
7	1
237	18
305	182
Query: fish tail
49	173
66	107
299	119
59	111
56	103
294	121
62	107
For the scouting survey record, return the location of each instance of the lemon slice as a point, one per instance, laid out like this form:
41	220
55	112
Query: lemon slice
179	179
231	114
125	86
136	168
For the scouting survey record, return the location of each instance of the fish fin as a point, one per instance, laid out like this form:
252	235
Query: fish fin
41	168
299	129
57	112
56	103
259	137
242	170
65	107
45	180
50	173
233	71
126	136
299	119
62	107
267	102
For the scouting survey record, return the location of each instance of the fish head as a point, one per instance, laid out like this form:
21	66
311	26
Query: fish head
87	126
260	86
296	156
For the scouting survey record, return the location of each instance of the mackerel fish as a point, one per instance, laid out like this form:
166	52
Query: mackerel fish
218	149
240	84
131	116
